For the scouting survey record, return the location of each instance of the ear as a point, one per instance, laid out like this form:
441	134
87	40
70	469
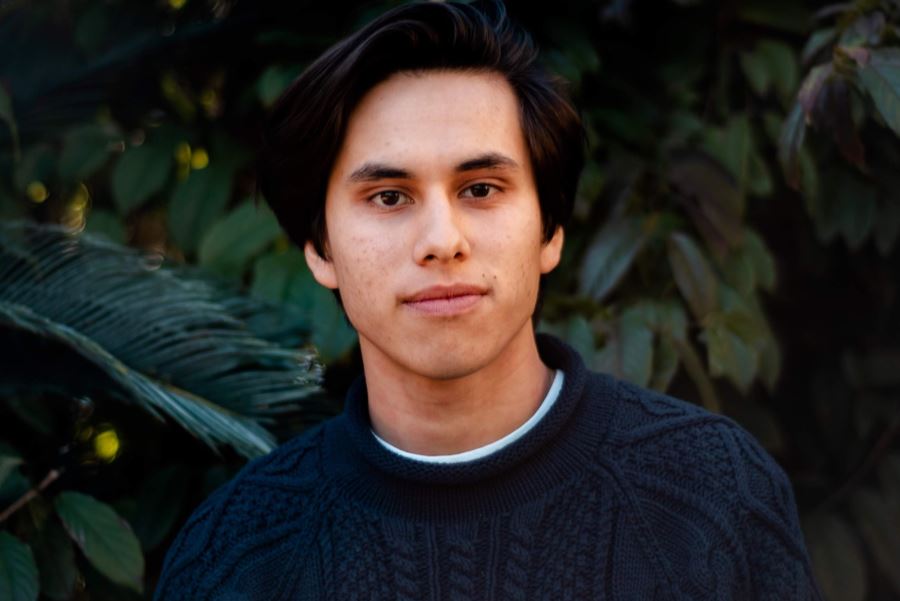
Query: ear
321	268
551	251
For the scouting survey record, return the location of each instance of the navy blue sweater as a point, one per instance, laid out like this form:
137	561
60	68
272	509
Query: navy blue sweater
617	493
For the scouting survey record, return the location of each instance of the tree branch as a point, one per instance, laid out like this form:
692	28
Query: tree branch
51	477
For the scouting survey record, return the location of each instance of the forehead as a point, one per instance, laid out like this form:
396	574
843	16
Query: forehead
433	119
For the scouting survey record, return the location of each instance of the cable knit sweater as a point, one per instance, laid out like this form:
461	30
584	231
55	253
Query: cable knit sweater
616	493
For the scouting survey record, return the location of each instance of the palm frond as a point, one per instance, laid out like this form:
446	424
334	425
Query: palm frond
168	341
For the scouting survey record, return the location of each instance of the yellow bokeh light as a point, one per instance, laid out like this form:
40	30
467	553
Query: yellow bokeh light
177	4
80	198
106	444
183	153
199	159
37	192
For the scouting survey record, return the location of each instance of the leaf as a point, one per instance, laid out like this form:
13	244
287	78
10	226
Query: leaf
628	350
107	224
879	522
665	363
6	114
274	80
236	238
729	355
693	274
55	558
711	198
18	573
105	538
272	274
771	64
333	335
610	255
160	502
838	559
85	149
789	144
8	463
881	79
756	73
817	42
809	95
139	174
197	203
81	290
695	369
576	331
848	205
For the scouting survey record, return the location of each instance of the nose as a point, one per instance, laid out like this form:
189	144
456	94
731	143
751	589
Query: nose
441	235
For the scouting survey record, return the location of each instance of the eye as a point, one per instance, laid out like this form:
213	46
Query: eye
389	198
480	191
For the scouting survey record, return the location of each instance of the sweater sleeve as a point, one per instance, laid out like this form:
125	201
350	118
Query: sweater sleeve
776	555
187	558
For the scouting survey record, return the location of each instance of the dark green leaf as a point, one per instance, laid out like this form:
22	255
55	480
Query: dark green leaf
628	350
813	84
18	573
139	174
610	255
576	331
272	274
160	503
777	15
817	42
6	114
789	144
38	164
85	150
693	274
710	197
55	558
236	238
8	463
665	363
838	559
333	336
756	72
105	538
881	78
197	203
105	223
729	355
274	80
213	385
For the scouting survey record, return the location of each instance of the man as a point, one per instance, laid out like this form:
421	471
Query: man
427	165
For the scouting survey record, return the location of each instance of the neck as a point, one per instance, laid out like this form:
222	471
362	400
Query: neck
431	416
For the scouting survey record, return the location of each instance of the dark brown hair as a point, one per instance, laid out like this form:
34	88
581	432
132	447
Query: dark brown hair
306	128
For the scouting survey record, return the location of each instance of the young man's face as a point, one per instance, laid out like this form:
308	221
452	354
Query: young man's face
434	232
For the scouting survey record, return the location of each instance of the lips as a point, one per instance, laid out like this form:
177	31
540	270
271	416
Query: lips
445	300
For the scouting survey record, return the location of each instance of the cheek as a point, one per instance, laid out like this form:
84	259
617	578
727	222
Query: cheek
363	272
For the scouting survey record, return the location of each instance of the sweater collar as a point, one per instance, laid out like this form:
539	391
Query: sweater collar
563	444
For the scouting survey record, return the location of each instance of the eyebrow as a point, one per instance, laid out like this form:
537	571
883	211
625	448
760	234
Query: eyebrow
374	171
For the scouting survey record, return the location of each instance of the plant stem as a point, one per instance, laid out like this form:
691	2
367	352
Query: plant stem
51	476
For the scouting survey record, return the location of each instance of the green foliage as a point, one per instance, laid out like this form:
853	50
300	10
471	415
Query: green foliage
105	538
18	573
742	161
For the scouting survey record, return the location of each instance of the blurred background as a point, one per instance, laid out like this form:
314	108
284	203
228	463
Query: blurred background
734	244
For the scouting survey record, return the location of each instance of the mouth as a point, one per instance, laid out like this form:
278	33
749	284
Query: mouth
445	300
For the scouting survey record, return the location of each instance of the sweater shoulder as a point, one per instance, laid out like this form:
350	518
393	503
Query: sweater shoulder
699	483
674	445
267	496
